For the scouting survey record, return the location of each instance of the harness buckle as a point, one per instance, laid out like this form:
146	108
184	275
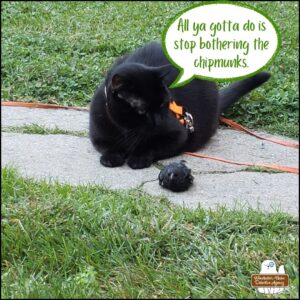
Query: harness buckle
189	122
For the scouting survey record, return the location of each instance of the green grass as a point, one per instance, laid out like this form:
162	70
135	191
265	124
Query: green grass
38	129
60	241
59	52
261	170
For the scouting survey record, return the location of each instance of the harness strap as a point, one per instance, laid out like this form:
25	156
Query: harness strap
182	115
178	111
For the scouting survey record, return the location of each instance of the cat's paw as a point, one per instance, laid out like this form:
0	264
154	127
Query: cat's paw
112	160
140	162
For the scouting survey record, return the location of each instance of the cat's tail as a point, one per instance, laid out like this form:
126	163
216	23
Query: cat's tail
236	90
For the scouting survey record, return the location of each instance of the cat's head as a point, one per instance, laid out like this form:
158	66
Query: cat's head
137	95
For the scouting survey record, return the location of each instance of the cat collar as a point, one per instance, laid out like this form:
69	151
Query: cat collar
182	115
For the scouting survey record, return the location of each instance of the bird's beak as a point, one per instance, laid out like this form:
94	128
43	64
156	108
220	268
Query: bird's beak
172	175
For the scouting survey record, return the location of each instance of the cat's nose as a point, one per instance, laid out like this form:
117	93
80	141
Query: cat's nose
139	106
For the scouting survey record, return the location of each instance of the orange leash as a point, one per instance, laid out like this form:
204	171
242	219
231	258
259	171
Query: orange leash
178	111
41	105
268	166
273	140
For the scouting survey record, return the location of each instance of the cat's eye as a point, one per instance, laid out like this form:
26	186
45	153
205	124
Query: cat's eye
121	96
114	92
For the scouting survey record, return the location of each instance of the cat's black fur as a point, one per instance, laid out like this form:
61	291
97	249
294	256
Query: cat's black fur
129	115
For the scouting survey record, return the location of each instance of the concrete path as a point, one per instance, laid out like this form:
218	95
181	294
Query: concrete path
72	159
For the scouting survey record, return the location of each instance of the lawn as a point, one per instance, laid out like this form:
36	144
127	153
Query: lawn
56	52
60	241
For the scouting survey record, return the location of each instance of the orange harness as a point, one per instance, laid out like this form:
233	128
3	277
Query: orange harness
184	117
177	110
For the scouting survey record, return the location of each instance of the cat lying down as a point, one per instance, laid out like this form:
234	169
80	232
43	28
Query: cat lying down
131	114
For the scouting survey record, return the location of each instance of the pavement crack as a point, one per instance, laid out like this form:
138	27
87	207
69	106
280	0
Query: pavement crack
218	172
248	169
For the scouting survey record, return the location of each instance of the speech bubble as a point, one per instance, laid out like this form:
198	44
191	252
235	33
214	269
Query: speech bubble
220	42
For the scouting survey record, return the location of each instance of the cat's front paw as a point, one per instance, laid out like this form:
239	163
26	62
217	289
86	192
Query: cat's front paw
112	160
140	162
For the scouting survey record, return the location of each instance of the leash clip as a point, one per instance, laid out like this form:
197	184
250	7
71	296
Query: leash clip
189	122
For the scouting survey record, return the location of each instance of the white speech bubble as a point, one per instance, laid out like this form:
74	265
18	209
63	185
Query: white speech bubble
220	41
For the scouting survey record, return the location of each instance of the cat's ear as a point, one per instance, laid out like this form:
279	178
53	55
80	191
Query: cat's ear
117	82
164	70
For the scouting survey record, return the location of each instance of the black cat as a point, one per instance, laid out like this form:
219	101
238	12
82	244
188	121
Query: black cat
130	117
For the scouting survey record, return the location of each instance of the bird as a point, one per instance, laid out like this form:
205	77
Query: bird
176	177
